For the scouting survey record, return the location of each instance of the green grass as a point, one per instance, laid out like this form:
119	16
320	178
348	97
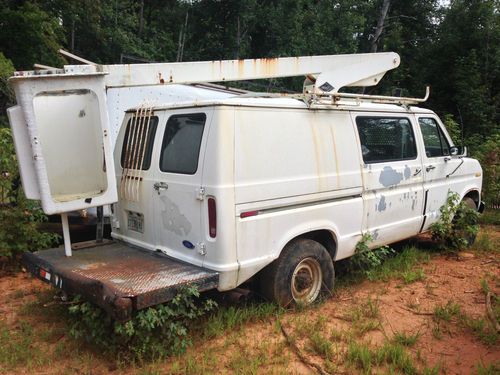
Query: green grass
228	318
393	356
321	346
402	266
489	369
406	339
18	348
446	312
490	217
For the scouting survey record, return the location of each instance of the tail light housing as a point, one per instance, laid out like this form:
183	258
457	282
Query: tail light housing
212	218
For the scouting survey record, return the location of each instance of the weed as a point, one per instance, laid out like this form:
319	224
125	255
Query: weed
360	356
396	355
446	312
435	370
490	369
412	276
365	258
152	333
481	329
227	318
406	339
485	244
320	345
457	226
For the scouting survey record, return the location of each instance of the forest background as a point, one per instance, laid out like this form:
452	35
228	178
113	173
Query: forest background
453	46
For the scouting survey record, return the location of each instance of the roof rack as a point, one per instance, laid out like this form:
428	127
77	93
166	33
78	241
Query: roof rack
335	99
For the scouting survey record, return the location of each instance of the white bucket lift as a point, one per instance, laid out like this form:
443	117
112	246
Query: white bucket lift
61	126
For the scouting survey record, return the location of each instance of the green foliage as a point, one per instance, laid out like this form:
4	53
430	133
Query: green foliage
153	333
457	225
232	317
406	339
453	129
365	258
20	218
487	151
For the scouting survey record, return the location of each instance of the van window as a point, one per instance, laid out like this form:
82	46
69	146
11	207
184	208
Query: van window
181	143
435	142
386	139
138	143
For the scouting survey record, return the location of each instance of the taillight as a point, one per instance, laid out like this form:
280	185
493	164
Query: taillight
248	214
212	218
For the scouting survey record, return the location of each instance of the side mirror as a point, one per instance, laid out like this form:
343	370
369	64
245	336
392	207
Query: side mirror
458	151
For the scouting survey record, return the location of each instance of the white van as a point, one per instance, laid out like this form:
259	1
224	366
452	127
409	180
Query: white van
245	184
213	191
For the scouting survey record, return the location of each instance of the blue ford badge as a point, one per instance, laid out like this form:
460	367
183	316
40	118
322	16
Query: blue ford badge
188	244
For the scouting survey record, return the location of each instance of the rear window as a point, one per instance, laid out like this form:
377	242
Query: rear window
180	148
138	142
386	139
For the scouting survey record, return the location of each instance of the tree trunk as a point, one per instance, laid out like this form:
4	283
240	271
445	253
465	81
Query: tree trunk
380	25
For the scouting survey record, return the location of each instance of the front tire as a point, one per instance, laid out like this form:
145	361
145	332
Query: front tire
303	272
469	202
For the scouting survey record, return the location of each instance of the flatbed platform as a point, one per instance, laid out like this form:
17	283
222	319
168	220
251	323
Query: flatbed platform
118	277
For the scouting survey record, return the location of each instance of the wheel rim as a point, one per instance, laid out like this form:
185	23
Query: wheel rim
306	281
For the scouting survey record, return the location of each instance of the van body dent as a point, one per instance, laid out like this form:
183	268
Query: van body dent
230	183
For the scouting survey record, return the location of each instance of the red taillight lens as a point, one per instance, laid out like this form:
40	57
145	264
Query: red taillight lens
212	218
248	214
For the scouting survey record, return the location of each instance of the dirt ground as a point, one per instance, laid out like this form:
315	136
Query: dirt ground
320	339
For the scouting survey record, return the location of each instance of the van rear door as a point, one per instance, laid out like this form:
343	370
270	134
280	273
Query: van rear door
178	192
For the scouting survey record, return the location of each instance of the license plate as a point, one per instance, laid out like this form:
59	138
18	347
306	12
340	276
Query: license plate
136	222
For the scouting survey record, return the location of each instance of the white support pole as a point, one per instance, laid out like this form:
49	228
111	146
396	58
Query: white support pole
67	239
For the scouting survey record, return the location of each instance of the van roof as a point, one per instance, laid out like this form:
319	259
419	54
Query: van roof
284	101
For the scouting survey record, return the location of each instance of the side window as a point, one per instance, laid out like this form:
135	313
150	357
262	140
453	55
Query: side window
386	139
138	142
434	140
180	149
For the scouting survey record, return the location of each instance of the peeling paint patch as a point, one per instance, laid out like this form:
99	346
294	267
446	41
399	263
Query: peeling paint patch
172	218
375	234
407	172
390	177
381	206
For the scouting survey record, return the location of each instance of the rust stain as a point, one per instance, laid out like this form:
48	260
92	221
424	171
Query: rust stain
317	151
162	81
241	68
332	133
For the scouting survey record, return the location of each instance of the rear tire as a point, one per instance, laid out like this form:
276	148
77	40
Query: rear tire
303	273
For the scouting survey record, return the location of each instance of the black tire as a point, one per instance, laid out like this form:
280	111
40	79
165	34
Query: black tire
472	205
292	279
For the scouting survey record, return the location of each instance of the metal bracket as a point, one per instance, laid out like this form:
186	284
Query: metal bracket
200	194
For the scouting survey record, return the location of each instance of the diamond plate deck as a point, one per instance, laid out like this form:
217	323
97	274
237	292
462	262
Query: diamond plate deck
112	274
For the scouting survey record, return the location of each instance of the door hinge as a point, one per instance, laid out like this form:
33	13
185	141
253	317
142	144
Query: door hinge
202	248
200	194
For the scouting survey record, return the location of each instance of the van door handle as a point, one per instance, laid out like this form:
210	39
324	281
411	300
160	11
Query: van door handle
417	172
158	186
430	168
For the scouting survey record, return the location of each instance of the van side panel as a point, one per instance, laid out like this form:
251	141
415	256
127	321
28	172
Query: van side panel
218	182
300	171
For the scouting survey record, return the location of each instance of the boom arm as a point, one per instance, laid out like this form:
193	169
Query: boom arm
332	72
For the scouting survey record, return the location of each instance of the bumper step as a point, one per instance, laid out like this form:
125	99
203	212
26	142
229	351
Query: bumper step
117	277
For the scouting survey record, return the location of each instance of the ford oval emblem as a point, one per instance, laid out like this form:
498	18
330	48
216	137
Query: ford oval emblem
188	244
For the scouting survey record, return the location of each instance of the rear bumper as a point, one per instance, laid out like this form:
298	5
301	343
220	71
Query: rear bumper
117	277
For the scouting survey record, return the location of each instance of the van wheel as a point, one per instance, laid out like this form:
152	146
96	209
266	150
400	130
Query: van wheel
303	272
469	202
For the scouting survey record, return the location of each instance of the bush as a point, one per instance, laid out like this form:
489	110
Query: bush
20	217
457	226
365	258
152	333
